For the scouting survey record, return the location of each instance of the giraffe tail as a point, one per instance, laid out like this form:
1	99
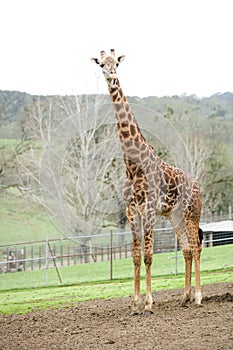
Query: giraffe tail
200	234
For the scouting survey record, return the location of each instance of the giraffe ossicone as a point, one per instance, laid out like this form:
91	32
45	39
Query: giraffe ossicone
153	187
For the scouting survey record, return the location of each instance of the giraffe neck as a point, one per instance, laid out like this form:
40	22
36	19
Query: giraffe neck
128	128
135	148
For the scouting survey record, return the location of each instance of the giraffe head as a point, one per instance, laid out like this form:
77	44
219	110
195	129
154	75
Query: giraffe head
109	64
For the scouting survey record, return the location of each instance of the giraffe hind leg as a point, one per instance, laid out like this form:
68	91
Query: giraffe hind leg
190	255
196	253
188	273
190	237
179	225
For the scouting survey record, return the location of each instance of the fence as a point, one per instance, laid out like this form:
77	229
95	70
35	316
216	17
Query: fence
63	252
78	250
217	216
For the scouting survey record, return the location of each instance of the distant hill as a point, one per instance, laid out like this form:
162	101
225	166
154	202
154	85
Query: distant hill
11	102
226	96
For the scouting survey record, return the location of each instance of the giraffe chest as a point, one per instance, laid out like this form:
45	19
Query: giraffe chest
156	191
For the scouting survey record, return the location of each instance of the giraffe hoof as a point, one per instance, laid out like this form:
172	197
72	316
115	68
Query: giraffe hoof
185	302
133	313
198	305
148	312
198	298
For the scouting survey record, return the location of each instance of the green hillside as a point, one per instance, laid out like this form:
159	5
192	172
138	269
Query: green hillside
22	220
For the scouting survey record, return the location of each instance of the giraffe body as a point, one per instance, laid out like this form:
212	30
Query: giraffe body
153	187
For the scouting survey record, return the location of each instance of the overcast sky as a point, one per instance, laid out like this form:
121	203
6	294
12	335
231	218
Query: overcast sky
172	47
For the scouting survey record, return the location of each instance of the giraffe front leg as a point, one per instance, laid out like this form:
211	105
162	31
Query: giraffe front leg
135	223
148	258
148	299
137	267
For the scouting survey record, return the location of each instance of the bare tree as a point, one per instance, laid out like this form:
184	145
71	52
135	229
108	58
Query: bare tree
72	159
211	161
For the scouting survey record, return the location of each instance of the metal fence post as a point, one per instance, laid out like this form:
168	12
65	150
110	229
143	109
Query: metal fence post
46	261
111	255
176	255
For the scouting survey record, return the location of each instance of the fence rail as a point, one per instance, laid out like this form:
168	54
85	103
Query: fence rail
78	250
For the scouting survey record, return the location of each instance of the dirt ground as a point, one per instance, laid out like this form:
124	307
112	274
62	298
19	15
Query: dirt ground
105	324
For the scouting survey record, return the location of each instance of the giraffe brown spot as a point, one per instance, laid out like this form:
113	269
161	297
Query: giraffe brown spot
145	186
138	181
122	115
127	144
129	115
114	97
124	125
118	107
124	134
132	130
166	176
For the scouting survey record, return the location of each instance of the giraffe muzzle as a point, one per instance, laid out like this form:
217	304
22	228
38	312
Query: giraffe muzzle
112	76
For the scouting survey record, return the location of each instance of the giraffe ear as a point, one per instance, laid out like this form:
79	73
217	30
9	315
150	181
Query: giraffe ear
95	60
120	59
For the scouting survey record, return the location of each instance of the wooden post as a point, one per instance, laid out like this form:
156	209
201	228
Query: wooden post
54	261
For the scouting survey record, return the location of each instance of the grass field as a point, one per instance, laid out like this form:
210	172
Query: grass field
22	220
27	300
26	291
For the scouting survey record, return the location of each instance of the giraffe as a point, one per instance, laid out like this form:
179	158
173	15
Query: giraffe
153	187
